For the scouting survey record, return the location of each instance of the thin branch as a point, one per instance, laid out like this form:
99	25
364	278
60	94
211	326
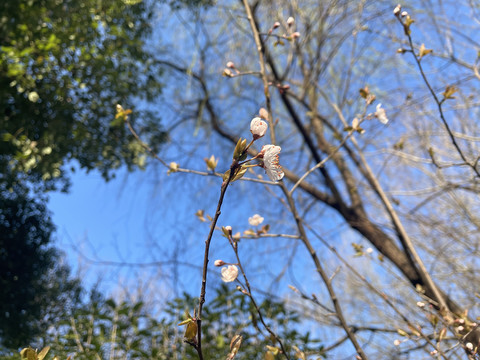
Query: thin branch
233	169
323	274
261	60
435	97
234	245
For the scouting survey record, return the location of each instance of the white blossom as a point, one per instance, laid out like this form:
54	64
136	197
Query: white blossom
258	128
381	115
255	220
270	162
229	273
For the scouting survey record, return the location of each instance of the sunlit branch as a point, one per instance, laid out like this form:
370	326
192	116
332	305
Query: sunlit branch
249	293
380	294
436	99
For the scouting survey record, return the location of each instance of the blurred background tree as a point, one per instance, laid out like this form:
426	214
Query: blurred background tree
63	67
37	289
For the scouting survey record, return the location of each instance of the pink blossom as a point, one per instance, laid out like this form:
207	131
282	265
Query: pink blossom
271	164
229	273
258	128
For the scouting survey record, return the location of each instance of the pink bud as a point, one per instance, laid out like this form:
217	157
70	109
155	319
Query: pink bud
276	25
290	21
263	113
230	65
219	262
404	13
295	35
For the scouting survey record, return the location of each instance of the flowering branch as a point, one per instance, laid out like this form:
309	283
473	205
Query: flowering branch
248	292
233	170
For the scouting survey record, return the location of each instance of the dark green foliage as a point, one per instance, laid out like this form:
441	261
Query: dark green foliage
103	329
36	288
64	65
231	313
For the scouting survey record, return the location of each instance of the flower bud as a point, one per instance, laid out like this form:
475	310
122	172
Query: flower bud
290	21
404	14
276	25
397	10
227	230
219	262
173	167
227	72
230	65
263	113
258	128
295	35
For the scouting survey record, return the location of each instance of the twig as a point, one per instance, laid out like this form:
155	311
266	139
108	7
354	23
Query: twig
234	245
322	163
233	169
263	72
323	275
435	97
382	295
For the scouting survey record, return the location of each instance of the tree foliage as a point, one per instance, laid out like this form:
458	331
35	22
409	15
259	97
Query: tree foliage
63	67
36	287
118	329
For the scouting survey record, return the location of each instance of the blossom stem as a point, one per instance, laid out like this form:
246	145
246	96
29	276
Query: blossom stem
233	169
